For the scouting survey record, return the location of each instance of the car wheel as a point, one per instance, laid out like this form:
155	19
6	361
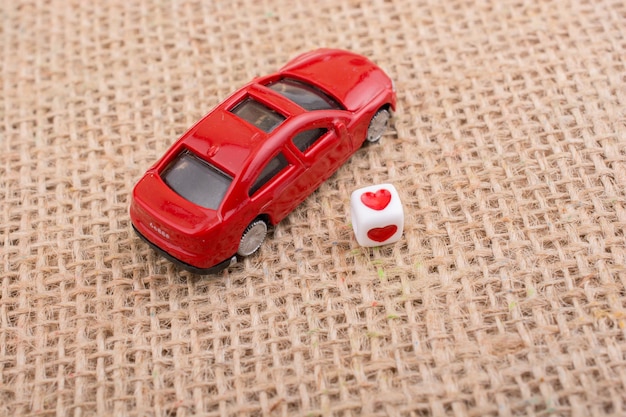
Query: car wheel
378	125
252	238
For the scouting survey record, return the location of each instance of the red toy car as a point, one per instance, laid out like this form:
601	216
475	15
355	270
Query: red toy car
257	155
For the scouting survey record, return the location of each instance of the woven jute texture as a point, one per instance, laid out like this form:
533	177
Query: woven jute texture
506	295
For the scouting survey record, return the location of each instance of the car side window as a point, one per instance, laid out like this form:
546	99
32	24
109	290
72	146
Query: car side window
273	168
304	140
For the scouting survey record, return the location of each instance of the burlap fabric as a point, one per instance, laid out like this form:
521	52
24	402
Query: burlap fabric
506	295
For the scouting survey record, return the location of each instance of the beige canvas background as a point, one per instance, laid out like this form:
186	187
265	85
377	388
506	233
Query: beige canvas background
505	297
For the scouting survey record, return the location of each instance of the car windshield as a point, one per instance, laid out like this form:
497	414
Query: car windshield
304	95
197	180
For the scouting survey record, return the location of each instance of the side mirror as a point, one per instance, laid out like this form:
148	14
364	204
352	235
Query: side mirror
340	128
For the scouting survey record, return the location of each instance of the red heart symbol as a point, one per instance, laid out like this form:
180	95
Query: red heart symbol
378	200
380	234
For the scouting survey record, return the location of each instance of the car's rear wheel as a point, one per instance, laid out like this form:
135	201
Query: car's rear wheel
252	238
378	125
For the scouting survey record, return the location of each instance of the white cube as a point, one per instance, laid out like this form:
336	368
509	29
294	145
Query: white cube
377	215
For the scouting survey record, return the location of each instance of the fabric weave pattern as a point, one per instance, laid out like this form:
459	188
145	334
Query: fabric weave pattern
506	295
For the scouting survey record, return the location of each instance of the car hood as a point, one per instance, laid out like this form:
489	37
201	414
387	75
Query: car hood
350	78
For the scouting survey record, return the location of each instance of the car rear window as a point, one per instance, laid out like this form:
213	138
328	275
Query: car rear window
304	95
258	114
196	180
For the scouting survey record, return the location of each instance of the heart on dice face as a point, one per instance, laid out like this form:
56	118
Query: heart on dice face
380	234
376	201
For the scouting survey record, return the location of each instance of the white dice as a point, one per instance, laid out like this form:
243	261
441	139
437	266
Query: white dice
377	215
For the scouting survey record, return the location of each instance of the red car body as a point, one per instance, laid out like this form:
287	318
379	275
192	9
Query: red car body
249	134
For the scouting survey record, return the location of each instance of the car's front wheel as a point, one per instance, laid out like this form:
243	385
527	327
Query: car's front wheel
378	125
252	238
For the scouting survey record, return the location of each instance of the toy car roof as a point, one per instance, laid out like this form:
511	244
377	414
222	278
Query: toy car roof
223	138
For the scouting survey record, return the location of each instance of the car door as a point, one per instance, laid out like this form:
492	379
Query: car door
322	147
272	192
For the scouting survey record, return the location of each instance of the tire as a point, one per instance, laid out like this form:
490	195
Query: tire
252	238
378	125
